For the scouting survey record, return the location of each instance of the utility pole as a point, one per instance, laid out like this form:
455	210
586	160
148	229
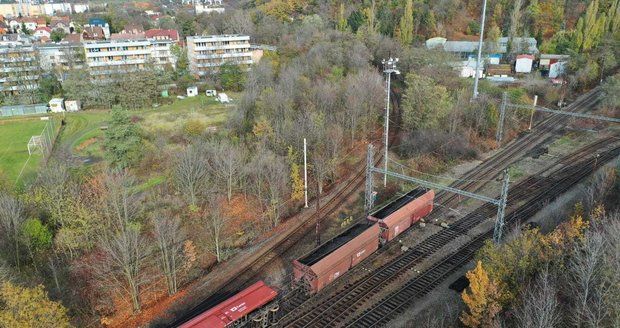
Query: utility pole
533	110
305	175
476	77
499	134
317	227
501	208
369	199
389	67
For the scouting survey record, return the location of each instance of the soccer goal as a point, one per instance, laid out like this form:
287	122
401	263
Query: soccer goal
35	144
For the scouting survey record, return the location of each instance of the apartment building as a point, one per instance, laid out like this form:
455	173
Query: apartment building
123	56
59	58
207	53
19	68
116	56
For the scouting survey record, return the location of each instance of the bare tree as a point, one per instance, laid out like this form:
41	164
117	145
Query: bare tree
226	162
364	96
540	306
122	266
11	220
123	246
269	175
215	223
190	173
169	237
584	277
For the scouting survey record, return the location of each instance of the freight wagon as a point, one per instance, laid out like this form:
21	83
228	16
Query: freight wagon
399	215
253	306
335	257
332	259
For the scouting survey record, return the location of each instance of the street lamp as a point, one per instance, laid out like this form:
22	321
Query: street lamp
389	67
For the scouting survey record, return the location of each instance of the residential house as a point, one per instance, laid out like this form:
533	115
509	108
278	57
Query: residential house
63	23
42	32
208	7
72	38
207	53
100	23
93	33
133	28
31	23
160	34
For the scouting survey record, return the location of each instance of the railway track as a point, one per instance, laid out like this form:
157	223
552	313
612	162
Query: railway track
556	183
492	167
352	296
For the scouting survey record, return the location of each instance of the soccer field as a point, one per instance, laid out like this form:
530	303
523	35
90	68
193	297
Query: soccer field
14	137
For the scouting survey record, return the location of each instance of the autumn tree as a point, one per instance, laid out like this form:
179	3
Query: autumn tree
590	27
405	27
425	103
30	308
342	24
481	298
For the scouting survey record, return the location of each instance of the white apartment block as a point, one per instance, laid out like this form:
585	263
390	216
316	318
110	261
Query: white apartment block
207	53
19	68
124	56
59	58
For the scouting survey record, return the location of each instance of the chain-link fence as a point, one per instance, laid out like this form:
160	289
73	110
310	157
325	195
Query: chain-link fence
19	110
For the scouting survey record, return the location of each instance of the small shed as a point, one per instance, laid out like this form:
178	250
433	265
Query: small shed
192	91
73	105
211	93
223	98
524	63
57	105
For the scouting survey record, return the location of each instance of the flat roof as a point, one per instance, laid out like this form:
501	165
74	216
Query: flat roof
399	202
327	248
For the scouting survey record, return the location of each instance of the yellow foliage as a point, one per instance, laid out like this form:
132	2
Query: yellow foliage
262	129
297	182
30	307
481	298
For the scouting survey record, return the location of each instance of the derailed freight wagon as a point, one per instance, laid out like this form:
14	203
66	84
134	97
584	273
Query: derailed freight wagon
402	213
251	307
335	257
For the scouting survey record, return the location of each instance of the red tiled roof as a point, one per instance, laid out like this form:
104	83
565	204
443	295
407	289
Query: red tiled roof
162	34
72	38
525	56
45	28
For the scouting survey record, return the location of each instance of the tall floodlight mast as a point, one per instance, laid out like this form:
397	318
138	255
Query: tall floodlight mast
389	67
476	77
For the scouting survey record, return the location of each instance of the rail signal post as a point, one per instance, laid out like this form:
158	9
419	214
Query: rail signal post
500	203
389	67
507	105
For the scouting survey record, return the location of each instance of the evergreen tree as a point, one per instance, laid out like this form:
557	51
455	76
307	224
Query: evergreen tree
122	140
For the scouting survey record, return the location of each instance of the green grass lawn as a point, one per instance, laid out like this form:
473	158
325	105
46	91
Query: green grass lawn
83	133
14	137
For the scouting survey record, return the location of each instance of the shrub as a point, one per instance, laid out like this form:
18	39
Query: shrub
194	127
